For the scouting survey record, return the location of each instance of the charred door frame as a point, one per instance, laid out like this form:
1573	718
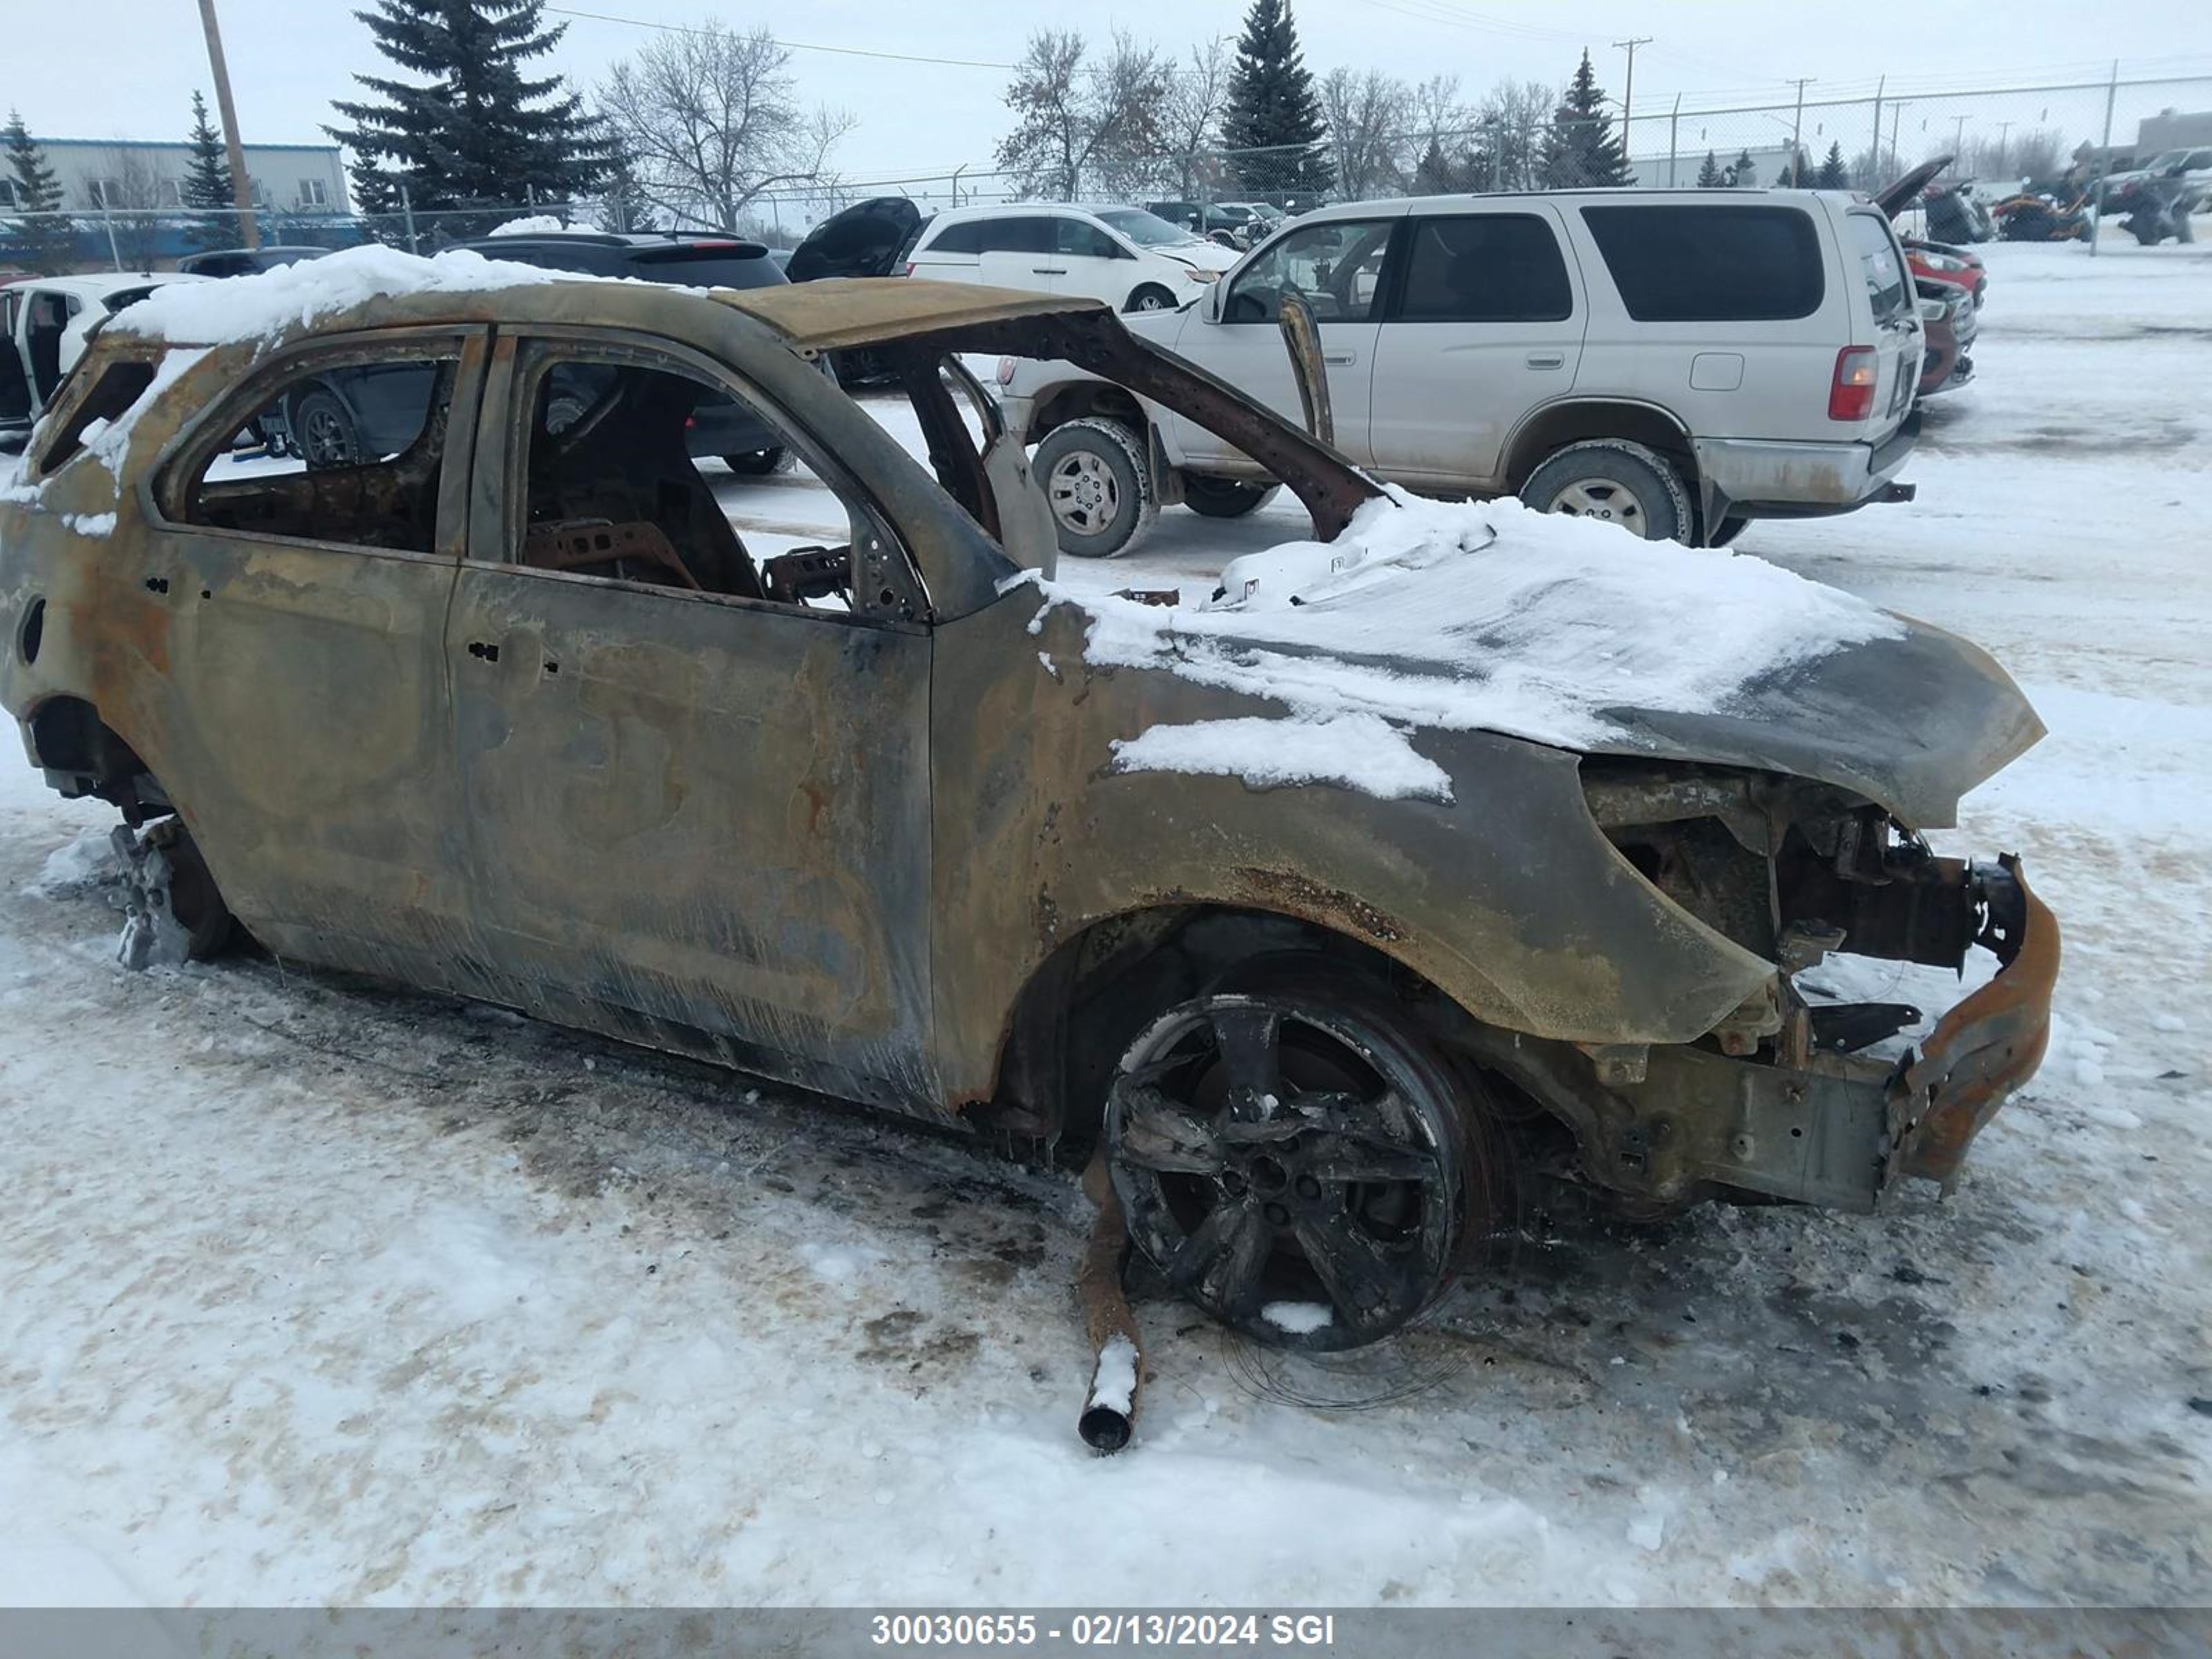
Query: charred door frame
349	871
764	905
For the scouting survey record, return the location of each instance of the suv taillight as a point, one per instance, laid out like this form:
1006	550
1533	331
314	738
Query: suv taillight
908	271
1851	396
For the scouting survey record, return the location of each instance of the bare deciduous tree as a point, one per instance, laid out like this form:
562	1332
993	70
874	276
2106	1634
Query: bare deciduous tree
1190	123
1365	110
1510	124
710	119
1079	120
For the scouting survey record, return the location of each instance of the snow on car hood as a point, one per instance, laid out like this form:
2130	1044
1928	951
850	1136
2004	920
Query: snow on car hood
295	295
1456	616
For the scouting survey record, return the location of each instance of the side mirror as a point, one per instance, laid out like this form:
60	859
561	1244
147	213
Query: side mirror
1214	298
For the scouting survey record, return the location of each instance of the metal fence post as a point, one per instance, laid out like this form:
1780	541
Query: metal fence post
107	220
407	212
2105	161
1874	180
1674	124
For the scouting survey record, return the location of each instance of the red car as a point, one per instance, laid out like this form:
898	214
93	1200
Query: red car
1932	262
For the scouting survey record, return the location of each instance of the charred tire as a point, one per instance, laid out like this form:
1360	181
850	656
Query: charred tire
1224	498
1097	486
323	430
1295	1157
1614	482
1150	296
760	463
175	914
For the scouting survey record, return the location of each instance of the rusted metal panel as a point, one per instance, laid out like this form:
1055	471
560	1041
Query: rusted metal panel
710	812
1985	1048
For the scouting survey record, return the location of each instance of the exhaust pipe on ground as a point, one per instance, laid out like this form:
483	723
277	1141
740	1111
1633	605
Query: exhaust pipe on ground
1110	1409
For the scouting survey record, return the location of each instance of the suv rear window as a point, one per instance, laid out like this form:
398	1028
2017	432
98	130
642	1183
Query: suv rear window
1887	290
1484	267
705	266
1694	263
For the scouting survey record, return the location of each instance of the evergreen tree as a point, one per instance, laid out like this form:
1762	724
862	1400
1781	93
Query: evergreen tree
1434	175
1834	174
1274	110
206	185
48	244
1710	176
1581	149
477	130
1741	173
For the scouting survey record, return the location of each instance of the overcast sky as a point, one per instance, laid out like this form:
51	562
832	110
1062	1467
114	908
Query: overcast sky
127	68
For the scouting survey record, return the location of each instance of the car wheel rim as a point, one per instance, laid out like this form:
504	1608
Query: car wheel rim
1605	500
1151	302
326	439
1084	494
1284	1173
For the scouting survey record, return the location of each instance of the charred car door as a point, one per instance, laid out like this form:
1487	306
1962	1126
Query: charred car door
309	746
693	769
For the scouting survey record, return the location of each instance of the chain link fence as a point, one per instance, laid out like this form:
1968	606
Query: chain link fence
2065	135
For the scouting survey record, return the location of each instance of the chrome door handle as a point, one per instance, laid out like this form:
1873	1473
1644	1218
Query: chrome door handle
1339	359
1048	270
1547	360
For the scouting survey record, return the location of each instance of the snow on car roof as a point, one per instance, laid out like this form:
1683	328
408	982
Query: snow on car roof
1465	617
206	313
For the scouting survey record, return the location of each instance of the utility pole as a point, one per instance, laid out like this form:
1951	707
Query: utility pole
1628	92
1959	133
1874	154
1796	127
241	187
2004	143
1895	109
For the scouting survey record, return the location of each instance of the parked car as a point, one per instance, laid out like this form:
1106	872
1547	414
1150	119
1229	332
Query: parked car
1674	361
1949	322
365	412
1942	262
247	261
518	714
2193	166
1132	259
1232	224
45	322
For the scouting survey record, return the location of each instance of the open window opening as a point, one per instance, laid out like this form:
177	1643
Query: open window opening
343	448
635	468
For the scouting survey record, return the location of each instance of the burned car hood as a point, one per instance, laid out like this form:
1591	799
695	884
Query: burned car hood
861	241
1433	616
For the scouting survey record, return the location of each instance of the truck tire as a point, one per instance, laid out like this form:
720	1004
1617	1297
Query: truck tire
1099	486
1224	498
1614	482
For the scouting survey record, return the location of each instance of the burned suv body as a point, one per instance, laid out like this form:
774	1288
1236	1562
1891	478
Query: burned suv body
522	713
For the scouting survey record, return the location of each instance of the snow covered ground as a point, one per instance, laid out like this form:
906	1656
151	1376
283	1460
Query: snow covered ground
314	1291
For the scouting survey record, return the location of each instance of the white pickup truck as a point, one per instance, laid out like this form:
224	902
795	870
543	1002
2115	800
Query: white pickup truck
1675	361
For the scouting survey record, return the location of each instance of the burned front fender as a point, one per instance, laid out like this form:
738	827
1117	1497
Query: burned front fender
1990	1044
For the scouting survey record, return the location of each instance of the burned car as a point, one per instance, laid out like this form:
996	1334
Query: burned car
1440	856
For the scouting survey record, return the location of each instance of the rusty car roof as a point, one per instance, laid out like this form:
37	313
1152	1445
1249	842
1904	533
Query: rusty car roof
838	312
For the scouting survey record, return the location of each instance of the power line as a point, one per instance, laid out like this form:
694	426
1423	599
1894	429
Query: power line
788	45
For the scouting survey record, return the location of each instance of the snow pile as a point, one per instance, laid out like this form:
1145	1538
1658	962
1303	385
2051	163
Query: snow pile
1115	1384
295	295
77	866
1463	616
98	526
1361	752
535	224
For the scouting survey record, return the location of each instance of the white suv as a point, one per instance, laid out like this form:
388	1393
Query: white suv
1675	361
1132	259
